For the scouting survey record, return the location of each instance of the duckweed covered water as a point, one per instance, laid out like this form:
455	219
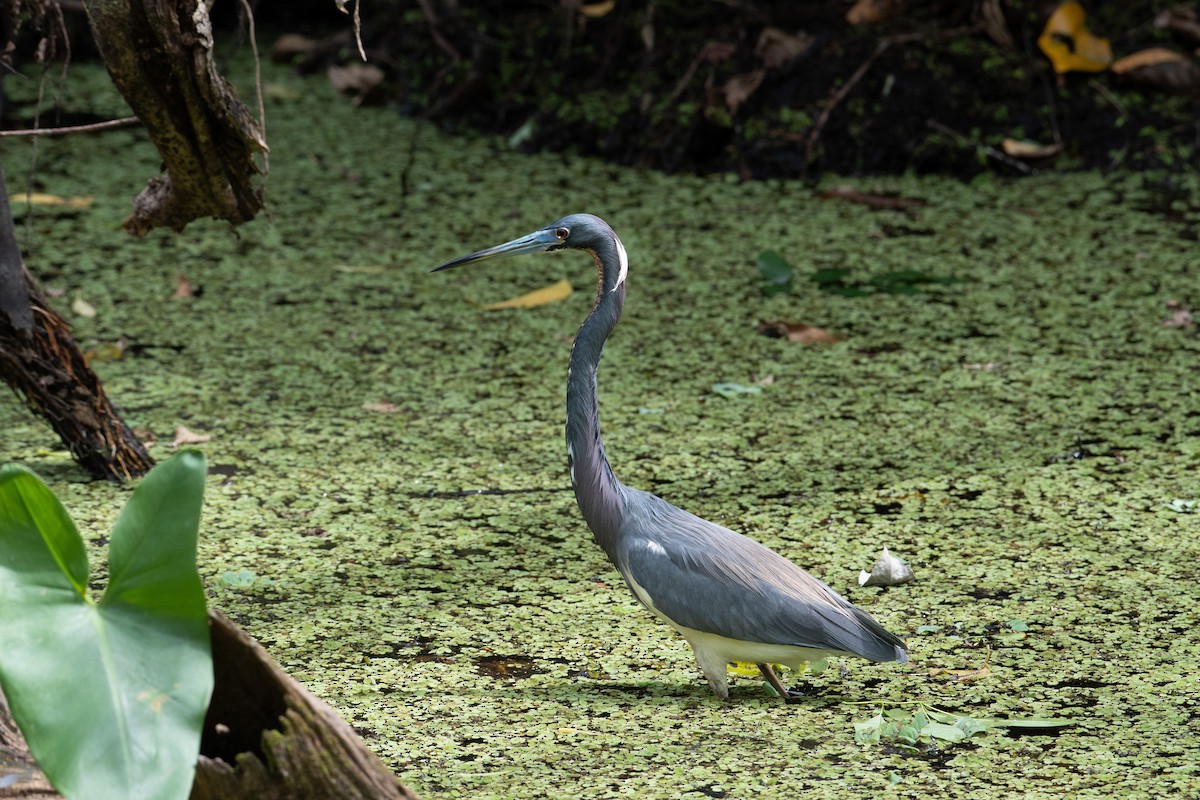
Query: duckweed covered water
1018	438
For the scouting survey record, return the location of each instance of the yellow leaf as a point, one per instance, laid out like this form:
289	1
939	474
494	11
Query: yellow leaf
595	10
42	199
549	294
1069	45
744	669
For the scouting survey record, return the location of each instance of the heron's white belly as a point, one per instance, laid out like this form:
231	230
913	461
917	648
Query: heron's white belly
713	648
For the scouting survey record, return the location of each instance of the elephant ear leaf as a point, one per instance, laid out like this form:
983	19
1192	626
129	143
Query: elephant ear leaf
110	696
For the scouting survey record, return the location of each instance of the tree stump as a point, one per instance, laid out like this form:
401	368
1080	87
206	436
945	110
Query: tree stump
266	737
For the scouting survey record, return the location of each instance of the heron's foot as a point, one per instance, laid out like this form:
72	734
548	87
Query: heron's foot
788	695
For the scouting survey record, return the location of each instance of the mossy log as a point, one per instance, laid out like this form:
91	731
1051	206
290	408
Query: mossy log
266	737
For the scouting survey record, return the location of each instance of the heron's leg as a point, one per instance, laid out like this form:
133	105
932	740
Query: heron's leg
773	679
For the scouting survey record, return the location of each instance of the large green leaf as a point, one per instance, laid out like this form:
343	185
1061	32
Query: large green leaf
111	696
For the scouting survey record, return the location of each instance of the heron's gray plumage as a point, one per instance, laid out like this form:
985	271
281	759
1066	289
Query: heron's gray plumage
730	597
704	578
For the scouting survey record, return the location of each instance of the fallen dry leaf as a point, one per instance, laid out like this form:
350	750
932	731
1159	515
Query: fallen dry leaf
988	367
42	199
776	48
1181	315
740	88
876	200
596	10
360	80
382	408
82	308
796	332
1180	19
866	12
1030	151
145	435
290	45
540	297
183	288
1159	68
1069	45
184	436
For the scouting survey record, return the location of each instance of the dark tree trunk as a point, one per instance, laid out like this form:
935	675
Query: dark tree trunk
159	54
42	363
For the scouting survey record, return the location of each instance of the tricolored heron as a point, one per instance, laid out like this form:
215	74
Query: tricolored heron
731	598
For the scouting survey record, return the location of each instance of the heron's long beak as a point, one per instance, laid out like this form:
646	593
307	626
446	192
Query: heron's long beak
535	242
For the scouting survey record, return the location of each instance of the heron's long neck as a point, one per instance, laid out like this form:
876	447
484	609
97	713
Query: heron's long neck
597	489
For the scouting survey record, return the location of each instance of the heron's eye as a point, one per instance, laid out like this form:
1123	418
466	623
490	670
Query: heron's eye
562	234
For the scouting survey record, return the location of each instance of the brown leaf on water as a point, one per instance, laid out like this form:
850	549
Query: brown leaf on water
540	297
776	48
867	12
877	200
361	80
382	408
1181	316
145	436
740	88
183	288
1160	68
796	332
184	436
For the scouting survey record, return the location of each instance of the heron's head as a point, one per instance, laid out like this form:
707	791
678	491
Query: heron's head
576	232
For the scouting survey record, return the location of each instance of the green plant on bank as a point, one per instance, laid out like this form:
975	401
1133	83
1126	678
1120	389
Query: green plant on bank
910	730
777	276
110	695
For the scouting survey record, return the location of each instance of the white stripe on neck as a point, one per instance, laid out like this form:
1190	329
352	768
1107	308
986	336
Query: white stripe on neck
624	258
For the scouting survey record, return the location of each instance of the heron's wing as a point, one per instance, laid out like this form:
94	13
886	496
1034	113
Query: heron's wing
708	578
